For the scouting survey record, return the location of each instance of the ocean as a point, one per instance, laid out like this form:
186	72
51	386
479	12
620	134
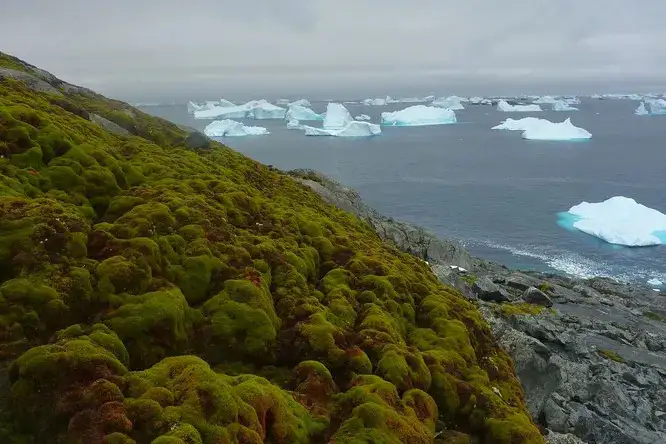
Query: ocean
495	192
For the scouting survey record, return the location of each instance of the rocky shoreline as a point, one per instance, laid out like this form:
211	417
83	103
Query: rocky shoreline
590	353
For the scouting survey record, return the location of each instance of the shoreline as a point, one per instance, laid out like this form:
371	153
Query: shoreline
590	352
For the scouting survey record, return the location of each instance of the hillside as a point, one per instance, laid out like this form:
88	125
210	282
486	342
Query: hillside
156	287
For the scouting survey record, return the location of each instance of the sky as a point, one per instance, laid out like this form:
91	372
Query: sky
169	49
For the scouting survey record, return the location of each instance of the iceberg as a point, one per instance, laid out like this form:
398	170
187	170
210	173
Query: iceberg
504	106
298	112
263	110
520	124
561	105
545	100
337	117
227	112
352	129
301	102
193	107
452	103
282	102
376	102
232	128
562	131
641	110
419	115
619	220
362	117
657	106
655	282
479	101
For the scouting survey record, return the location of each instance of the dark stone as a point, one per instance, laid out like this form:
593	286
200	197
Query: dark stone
535	296
485	289
522	282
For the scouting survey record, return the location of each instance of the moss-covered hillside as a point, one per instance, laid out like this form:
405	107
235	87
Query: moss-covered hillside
152	293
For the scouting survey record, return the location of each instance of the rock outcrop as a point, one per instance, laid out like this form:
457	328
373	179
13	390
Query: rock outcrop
590	354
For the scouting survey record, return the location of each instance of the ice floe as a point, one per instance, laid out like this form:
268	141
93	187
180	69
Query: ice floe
351	129
419	115
362	117
504	106
561	131
452	103
619	220
232	128
561	105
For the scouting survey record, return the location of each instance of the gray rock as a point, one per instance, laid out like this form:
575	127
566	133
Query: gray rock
33	82
558	438
522	282
487	290
535	296
448	276
109	125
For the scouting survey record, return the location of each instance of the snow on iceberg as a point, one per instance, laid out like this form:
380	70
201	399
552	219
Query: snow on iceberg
547	130
298	112
520	124
504	106
419	115
232	128
562	105
362	117
452	103
351	129
337	117
618	220
641	110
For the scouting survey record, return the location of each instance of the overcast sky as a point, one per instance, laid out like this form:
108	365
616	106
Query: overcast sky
147	48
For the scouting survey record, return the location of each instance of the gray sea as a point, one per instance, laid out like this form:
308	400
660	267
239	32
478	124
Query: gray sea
495	192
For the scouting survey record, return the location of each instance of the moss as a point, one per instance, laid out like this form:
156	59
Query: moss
519	309
545	287
469	279
655	316
611	356
120	255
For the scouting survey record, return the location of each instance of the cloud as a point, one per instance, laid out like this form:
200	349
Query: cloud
111	45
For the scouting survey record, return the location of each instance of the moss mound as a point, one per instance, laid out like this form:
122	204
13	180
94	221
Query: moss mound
153	293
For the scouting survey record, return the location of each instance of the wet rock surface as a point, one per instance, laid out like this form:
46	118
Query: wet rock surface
590	354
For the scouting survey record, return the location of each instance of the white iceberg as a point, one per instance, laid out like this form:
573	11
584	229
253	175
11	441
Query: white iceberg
282	102
419	115
375	102
561	105
232	128
655	282
479	101
193	107
657	106
520	124
452	103
545	100
225	103
555	131
572	100
301	102
226	112
298	112
337	117
262	109
351	129
641	110
294	124
504	106
618	220
362	117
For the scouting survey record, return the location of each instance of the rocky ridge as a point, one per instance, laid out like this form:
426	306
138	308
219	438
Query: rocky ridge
590	354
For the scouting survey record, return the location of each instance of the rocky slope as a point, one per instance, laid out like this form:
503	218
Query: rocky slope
157	287
590	354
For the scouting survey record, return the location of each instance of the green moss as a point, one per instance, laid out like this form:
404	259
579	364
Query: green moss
469	279
121	254
519	309
545	287
611	356
655	316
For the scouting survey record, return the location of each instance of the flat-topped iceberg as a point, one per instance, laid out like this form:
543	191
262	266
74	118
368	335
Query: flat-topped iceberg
351	129
562	131
193	107
545	100
656	106
337	117
376	102
452	103
226	112
299	112
561	105
505	107
641	110
479	101
520	124
362	117
232	128
255	109
419	115
618	220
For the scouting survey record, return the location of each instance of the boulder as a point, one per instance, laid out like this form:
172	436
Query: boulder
537	297
487	290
